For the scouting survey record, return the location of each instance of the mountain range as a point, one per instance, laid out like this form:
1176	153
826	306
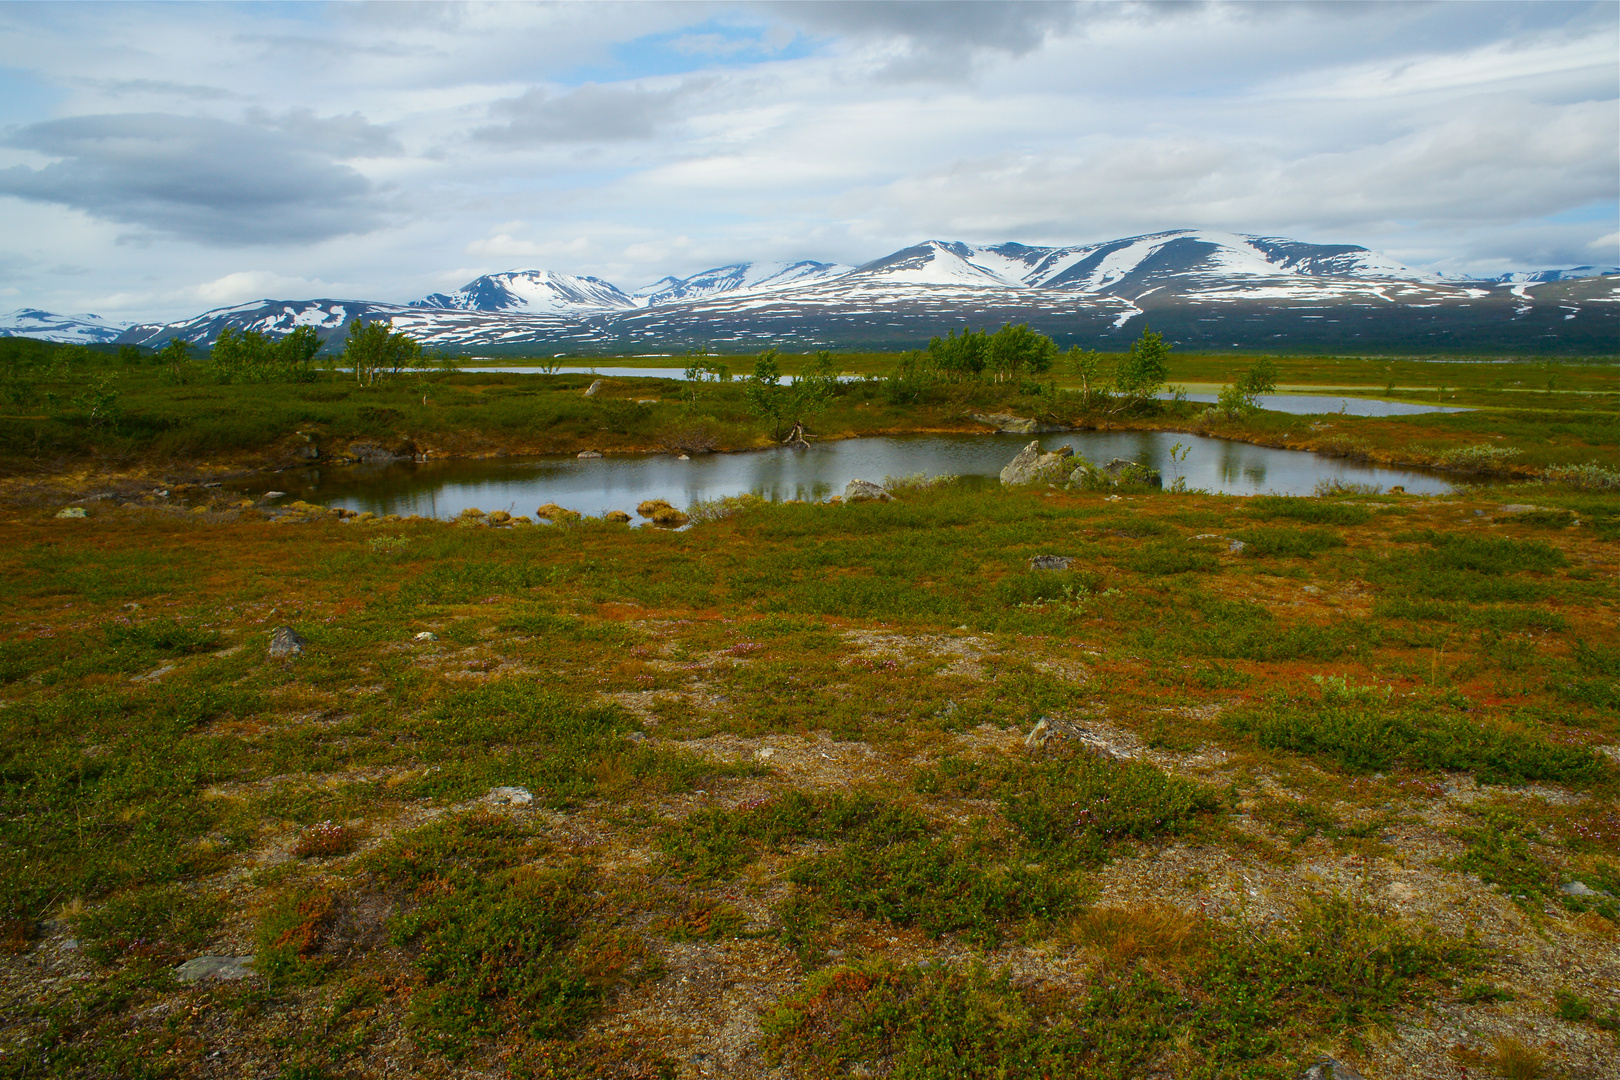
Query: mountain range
1203	289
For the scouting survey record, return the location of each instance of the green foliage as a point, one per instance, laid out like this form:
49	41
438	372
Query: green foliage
960	357
249	356
1242	397
1364	738
1314	511
161	922
1141	372
289	936
161	636
1048	586
374	351
1164	557
1288	543
1076	808
1498	851
1242	1010
523	951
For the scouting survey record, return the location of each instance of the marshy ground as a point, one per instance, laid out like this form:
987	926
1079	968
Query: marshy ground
759	798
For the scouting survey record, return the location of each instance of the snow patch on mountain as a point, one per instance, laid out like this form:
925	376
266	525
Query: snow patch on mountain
48	326
534	291
738	278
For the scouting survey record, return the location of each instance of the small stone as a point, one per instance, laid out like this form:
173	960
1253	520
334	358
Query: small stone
70	945
589	454
73	512
684	457
591	392
222	968
1039	736
427	635
1580	888
1236	546
1331	1069
274	495
635	737
286	643
765	754
864	491
511	796
1050	562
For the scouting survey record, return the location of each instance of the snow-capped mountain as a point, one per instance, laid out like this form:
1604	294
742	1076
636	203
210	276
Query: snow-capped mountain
77	329
532	291
739	278
1202	287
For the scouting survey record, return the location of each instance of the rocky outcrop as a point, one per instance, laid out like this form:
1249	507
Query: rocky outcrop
1014	425
1031	466
1117	473
864	491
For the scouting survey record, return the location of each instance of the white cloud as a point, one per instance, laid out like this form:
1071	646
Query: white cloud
387	146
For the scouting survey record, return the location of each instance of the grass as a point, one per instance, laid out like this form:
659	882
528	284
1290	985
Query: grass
780	756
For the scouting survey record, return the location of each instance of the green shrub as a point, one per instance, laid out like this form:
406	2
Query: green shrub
1314	511
1171	557
161	636
289	936
1048	586
1364	738
1288	543
163	921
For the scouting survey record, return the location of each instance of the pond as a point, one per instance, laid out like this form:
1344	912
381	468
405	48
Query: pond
1298	404
593	486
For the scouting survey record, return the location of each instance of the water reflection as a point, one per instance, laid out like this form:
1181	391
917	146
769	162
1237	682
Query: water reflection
442	489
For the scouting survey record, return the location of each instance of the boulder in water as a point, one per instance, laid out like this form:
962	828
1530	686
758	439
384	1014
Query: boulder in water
1031	466
864	491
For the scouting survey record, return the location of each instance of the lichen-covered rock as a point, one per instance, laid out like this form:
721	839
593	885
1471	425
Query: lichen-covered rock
864	491
1050	562
669	518
649	507
592	390
215	969
557	515
1117	473
286	643
1031	466
1014	425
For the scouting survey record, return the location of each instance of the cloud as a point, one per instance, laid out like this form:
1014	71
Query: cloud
206	180
589	114
349	136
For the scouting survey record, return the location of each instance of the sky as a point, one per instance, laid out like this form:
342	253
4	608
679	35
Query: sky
160	160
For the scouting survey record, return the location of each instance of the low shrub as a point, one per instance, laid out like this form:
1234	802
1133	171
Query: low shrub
1288	543
161	922
1477	459
1314	511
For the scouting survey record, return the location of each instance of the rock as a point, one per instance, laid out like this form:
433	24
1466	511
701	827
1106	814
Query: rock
1236	546
510	796
649	507
635	737
593	388
864	491
379	453
307	453
215	968
1331	1069
1117	473
286	643
684	457
1581	888
1015	425
1039	735
589	454
499	517
1031	466
426	635
557	515
1050	562
73	512
618	517
669	518
267	496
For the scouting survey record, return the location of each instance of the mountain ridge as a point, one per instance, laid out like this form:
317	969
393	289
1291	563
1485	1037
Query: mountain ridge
1211	288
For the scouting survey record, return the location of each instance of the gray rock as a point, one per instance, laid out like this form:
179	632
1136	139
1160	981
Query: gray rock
1581	888
427	635
1331	1069
589	454
215	968
1031	466
286	643
511	796
594	387
1015	425
1236	546
865	491
1129	472
273	495
73	512
1050	562
1041	734
635	737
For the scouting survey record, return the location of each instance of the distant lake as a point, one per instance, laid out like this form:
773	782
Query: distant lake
593	486
1302	404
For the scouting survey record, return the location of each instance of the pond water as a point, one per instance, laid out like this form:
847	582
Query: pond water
443	489
1299	404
